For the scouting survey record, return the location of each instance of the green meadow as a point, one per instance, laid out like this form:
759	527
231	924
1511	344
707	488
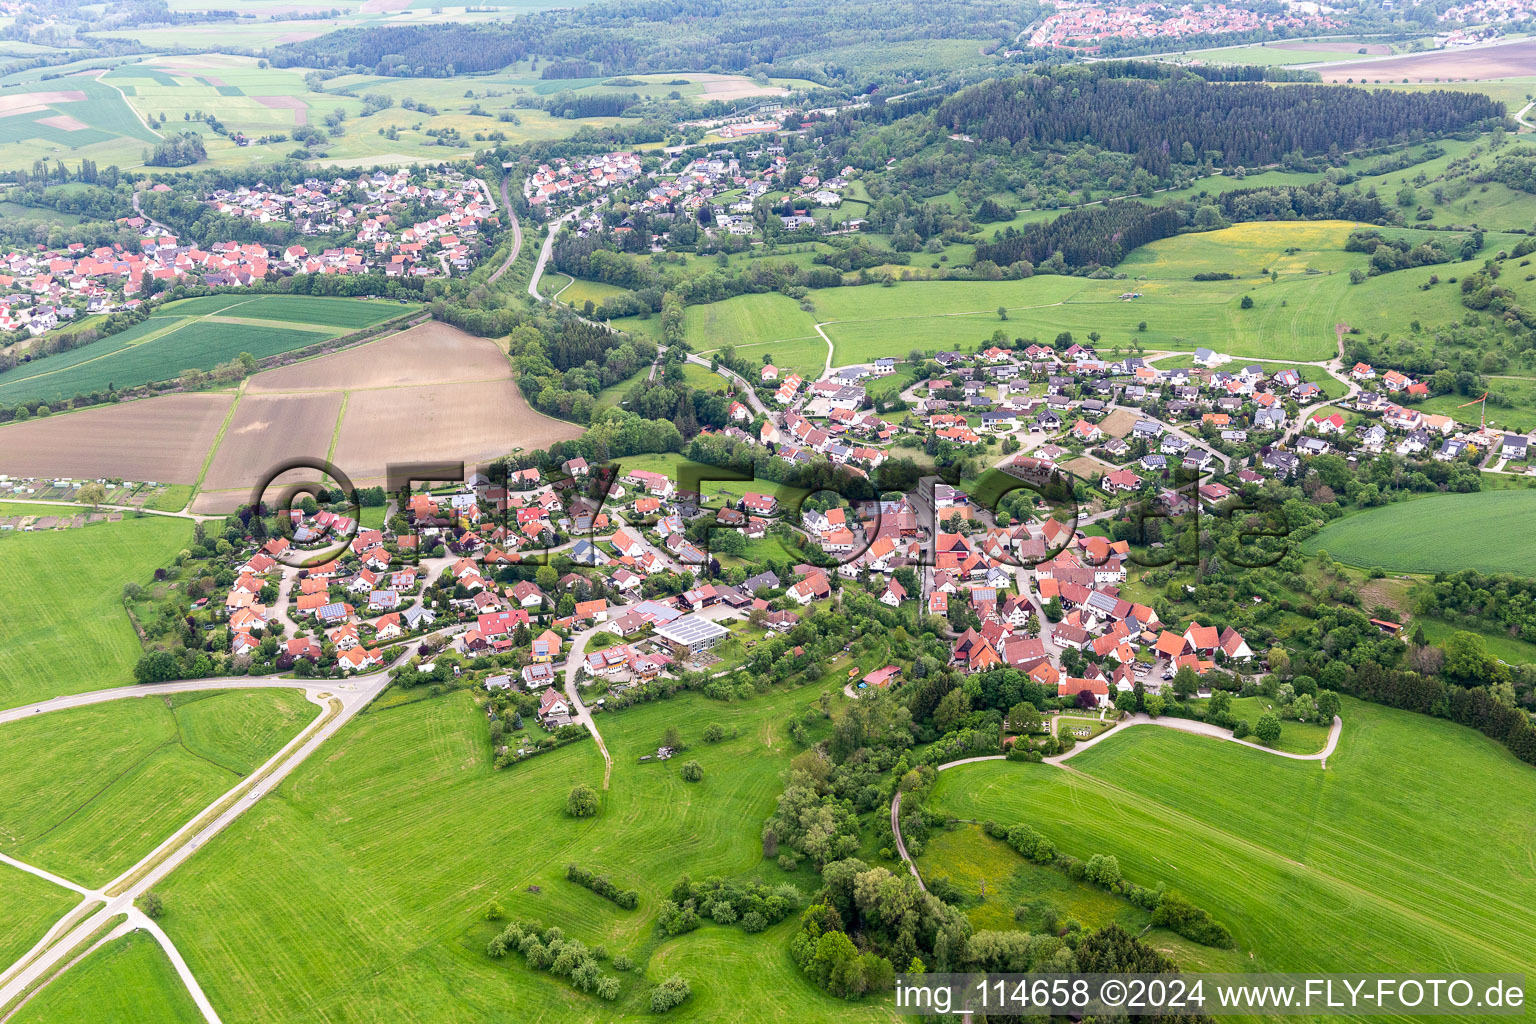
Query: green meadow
129	980
63	628
1296	273
190	334
29	906
1000	890
365	877
1484	530
94	789
1409	850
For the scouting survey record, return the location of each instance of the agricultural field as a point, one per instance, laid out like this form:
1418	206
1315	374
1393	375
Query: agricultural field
431	392
94	789
111	112
407	839
1438	533
429	353
164	439
1505	60
192	334
1292	51
475	421
63	628
129	980
1309	868
74	116
266	429
29	905
120	112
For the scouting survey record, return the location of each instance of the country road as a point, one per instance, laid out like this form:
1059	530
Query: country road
195	516
546	250
517	234
583	715
339	700
140	211
80	700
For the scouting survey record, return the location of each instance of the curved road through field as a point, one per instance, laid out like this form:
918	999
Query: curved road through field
1181	724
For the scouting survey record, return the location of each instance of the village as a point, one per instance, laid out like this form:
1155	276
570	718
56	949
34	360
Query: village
42	289
722	185
1082	26
574	584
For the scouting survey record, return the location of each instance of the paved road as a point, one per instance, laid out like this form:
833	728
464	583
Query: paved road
517	234
340	699
583	715
546	250
747	394
1202	729
80	700
139	210
901	846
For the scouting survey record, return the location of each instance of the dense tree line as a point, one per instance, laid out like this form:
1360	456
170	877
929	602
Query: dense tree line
1184	118
1474	706
1092	236
629	899
1389	254
1502	601
1321	200
563	363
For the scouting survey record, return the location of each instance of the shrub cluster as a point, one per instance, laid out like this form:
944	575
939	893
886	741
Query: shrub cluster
629	899
670	993
753	904
547	949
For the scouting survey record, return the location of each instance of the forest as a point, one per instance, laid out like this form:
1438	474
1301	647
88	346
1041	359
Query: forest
1185	119
1092	236
665	35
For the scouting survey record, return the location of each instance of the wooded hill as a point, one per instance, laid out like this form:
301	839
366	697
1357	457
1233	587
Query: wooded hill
1185	119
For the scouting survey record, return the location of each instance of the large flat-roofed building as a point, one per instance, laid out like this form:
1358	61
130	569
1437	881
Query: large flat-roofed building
694	632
